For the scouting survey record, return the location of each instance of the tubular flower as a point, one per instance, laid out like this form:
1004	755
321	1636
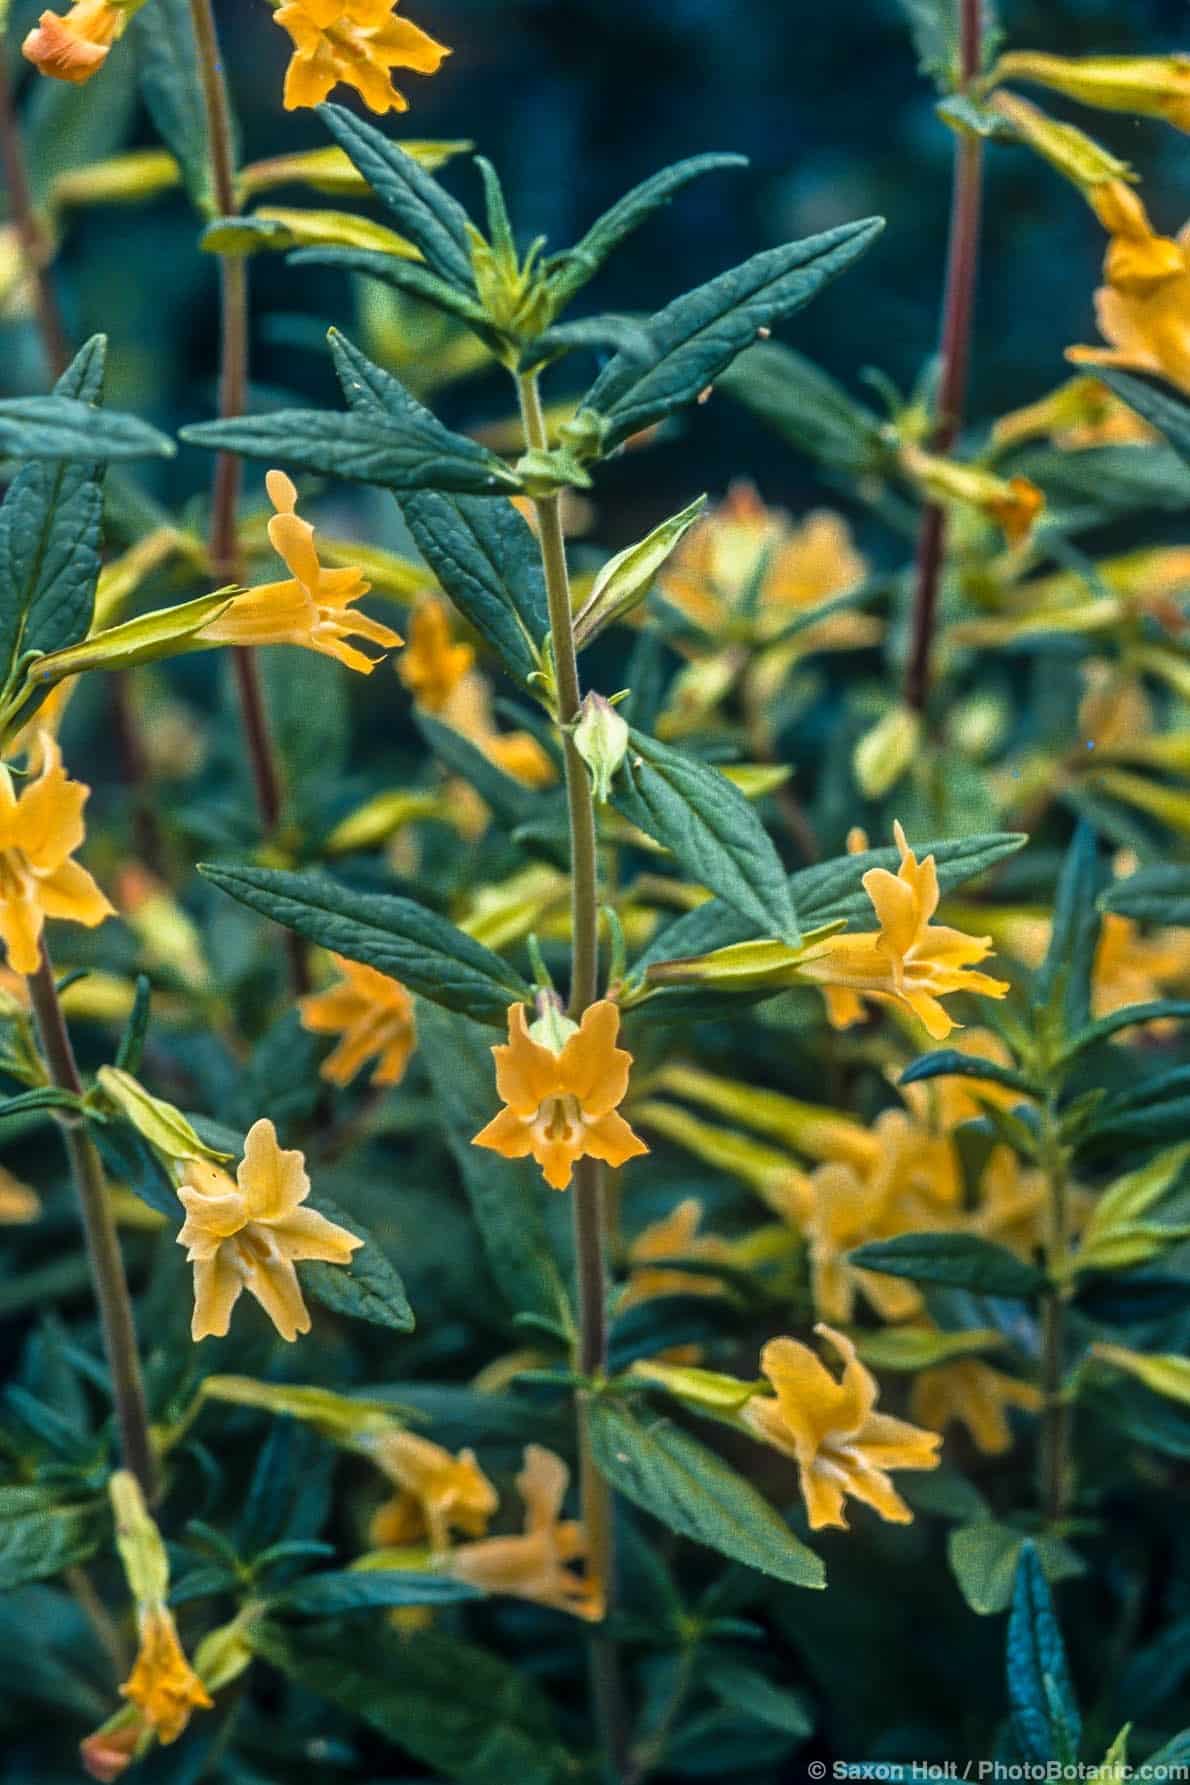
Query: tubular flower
357	42
249	1234
970	1393
438	1492
312	609
373	1014
536	1565
561	1105
910	961
163	1685
76	46
108	1752
844	1213
1013	503
1146	86
1143	308
40	829
841	1445
676	1235
434	665
442	679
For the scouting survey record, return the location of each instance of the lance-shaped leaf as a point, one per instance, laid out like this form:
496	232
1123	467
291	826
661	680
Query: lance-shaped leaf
710	828
407	451
1151	895
694	1492
63	427
331	170
806	407
578	265
361	1589
368	1288
433	221
394	935
1160	406
287	226
622	334
961	1260
699	334
1063	980
830	892
948	1062
162	39
403	274
984	1557
41	1535
624	580
1045	1714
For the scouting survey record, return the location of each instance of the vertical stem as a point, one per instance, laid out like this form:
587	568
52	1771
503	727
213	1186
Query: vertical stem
587	1197
233	398
34	245
958	312
1054	1448
103	1244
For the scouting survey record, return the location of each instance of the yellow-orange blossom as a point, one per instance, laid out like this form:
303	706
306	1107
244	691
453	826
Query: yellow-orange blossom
357	42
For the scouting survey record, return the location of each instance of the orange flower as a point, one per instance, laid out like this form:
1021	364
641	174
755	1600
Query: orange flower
970	1392
163	1685
841	1445
438	1492
910	961
110	1751
311	610
1143	309
39	831
74	47
561	1105
1013	503
676	1235
374	1016
1131	968
433	666
354	41
536	1565
249	1234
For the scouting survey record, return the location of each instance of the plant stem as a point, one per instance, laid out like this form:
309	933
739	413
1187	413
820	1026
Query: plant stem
103	1244
1054	1448
35	247
958	312
233	399
587	1191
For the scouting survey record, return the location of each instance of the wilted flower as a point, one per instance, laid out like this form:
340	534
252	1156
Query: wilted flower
248	1234
841	1445
1143	309
539	1564
163	1685
1081	413
969	1392
313	609
372	1014
108	1752
75	46
438	1492
562	1105
357	42
40	829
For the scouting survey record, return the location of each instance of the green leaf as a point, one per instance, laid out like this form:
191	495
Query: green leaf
505	1194
806	407
829	892
63	427
622	334
947	1062
403	275
578	265
1170	1762
1160	1010
984	1556
407	451
922	1347
1159	405
960	1260
458	1710
692	1491
394	935
697	336
167	632
366	1289
1064	977
1045	1715
348	1590
512	802
1151	895
39	1538
433	221
752	1693
710	828
1165	1373
162	39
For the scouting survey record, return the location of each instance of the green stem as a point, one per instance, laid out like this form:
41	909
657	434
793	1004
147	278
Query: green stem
103	1243
1054	1449
587	1191
233	400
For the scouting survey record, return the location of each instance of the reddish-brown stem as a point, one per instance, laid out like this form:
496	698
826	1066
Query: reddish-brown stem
958	311
35	245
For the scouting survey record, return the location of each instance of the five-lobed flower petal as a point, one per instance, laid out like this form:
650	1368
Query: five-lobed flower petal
830	1427
74	46
539	1564
313	609
562	1106
437	1492
357	42
248	1234
163	1685
374	1018
40	830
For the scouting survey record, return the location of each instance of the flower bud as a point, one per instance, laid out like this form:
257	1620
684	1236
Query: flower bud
543	472
1077	156
884	753
601	739
1147	86
164	1127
